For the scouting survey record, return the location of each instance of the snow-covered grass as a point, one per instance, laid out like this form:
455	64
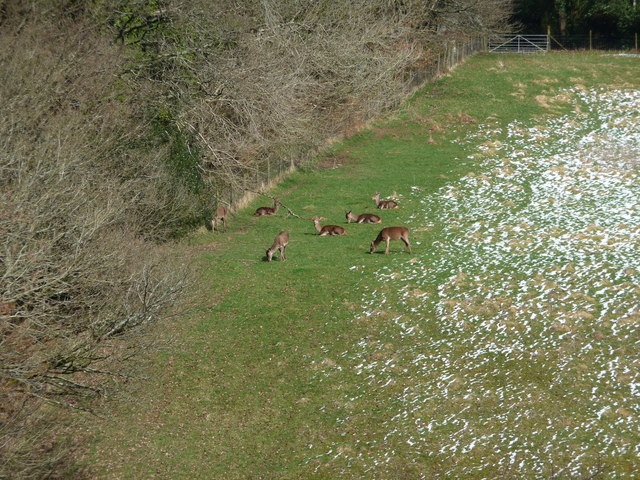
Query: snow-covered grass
511	344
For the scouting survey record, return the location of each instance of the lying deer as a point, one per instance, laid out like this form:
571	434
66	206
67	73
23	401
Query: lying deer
384	204
327	229
279	243
268	211
362	218
220	216
391	233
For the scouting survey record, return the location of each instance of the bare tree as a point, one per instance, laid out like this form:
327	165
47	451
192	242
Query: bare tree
79	211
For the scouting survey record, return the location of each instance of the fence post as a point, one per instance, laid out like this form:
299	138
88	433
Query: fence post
447	58
636	38
590	40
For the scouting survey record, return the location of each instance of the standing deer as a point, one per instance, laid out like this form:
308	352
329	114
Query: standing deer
279	243
391	233
268	211
384	204
220	216
327	229
362	218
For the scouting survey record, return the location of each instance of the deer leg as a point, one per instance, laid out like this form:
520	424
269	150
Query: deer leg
407	244
386	252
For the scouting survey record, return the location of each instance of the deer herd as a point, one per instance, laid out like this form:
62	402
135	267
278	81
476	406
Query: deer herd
282	239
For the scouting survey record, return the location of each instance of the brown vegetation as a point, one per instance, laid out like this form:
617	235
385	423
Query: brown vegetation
79	212
268	83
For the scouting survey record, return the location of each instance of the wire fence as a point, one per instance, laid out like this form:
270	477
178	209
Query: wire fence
590	41
538	43
453	53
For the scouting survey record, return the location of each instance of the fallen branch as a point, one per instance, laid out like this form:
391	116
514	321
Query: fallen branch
291	212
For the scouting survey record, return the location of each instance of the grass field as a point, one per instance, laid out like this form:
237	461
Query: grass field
506	346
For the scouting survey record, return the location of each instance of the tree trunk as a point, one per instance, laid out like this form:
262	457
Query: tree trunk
562	17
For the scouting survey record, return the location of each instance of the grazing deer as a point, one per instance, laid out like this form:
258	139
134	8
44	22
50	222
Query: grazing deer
384	204
268	211
279	243
391	233
327	229
363	218
220	216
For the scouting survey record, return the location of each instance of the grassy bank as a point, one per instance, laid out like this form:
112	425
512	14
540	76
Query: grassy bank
299	369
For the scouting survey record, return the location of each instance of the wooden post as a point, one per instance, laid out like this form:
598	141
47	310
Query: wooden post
447	62
636	38
590	40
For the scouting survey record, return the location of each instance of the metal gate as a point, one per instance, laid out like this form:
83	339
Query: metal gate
519	43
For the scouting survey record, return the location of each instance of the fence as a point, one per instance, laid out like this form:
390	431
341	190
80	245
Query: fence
590	41
518	43
454	52
515	43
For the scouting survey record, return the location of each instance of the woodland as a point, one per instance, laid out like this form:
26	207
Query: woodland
613	18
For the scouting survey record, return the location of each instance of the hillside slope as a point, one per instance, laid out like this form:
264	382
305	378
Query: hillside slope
504	346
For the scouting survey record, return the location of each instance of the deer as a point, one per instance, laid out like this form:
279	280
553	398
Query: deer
279	243
221	216
327	229
384	204
362	218
391	233
268	211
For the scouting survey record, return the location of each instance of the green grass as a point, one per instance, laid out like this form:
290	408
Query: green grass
250	388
